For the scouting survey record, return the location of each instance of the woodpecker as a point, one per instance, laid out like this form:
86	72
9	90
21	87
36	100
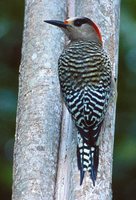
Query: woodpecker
86	83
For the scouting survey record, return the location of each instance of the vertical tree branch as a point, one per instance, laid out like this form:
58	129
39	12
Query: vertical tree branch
39	104
106	14
63	189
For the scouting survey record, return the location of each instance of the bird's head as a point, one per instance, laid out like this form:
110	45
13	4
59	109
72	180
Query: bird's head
79	28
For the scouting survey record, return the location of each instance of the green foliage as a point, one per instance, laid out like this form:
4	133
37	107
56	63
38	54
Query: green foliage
124	170
11	25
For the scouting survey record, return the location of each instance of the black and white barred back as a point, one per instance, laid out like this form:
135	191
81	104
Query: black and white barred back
85	79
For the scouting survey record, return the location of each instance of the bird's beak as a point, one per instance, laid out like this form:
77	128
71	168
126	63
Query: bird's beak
60	24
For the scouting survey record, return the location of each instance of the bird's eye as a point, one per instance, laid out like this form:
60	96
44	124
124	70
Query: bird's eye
78	22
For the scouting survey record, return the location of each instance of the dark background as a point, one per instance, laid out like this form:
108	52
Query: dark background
124	163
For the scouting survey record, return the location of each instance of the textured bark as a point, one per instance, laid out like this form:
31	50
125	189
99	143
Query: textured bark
106	14
39	104
45	165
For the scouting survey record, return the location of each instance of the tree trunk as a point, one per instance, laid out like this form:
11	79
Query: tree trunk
39	104
106	14
45	165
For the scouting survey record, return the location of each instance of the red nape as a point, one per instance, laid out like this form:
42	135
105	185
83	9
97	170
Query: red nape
97	30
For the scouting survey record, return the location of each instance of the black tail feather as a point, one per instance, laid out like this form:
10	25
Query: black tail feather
93	161
80	166
82	173
96	159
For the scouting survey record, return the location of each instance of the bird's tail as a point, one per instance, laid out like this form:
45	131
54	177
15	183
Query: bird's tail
88	158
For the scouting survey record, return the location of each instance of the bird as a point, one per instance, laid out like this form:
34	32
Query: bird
85	76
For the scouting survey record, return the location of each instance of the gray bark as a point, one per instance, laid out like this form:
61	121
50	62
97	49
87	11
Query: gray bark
106	14
39	104
45	165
